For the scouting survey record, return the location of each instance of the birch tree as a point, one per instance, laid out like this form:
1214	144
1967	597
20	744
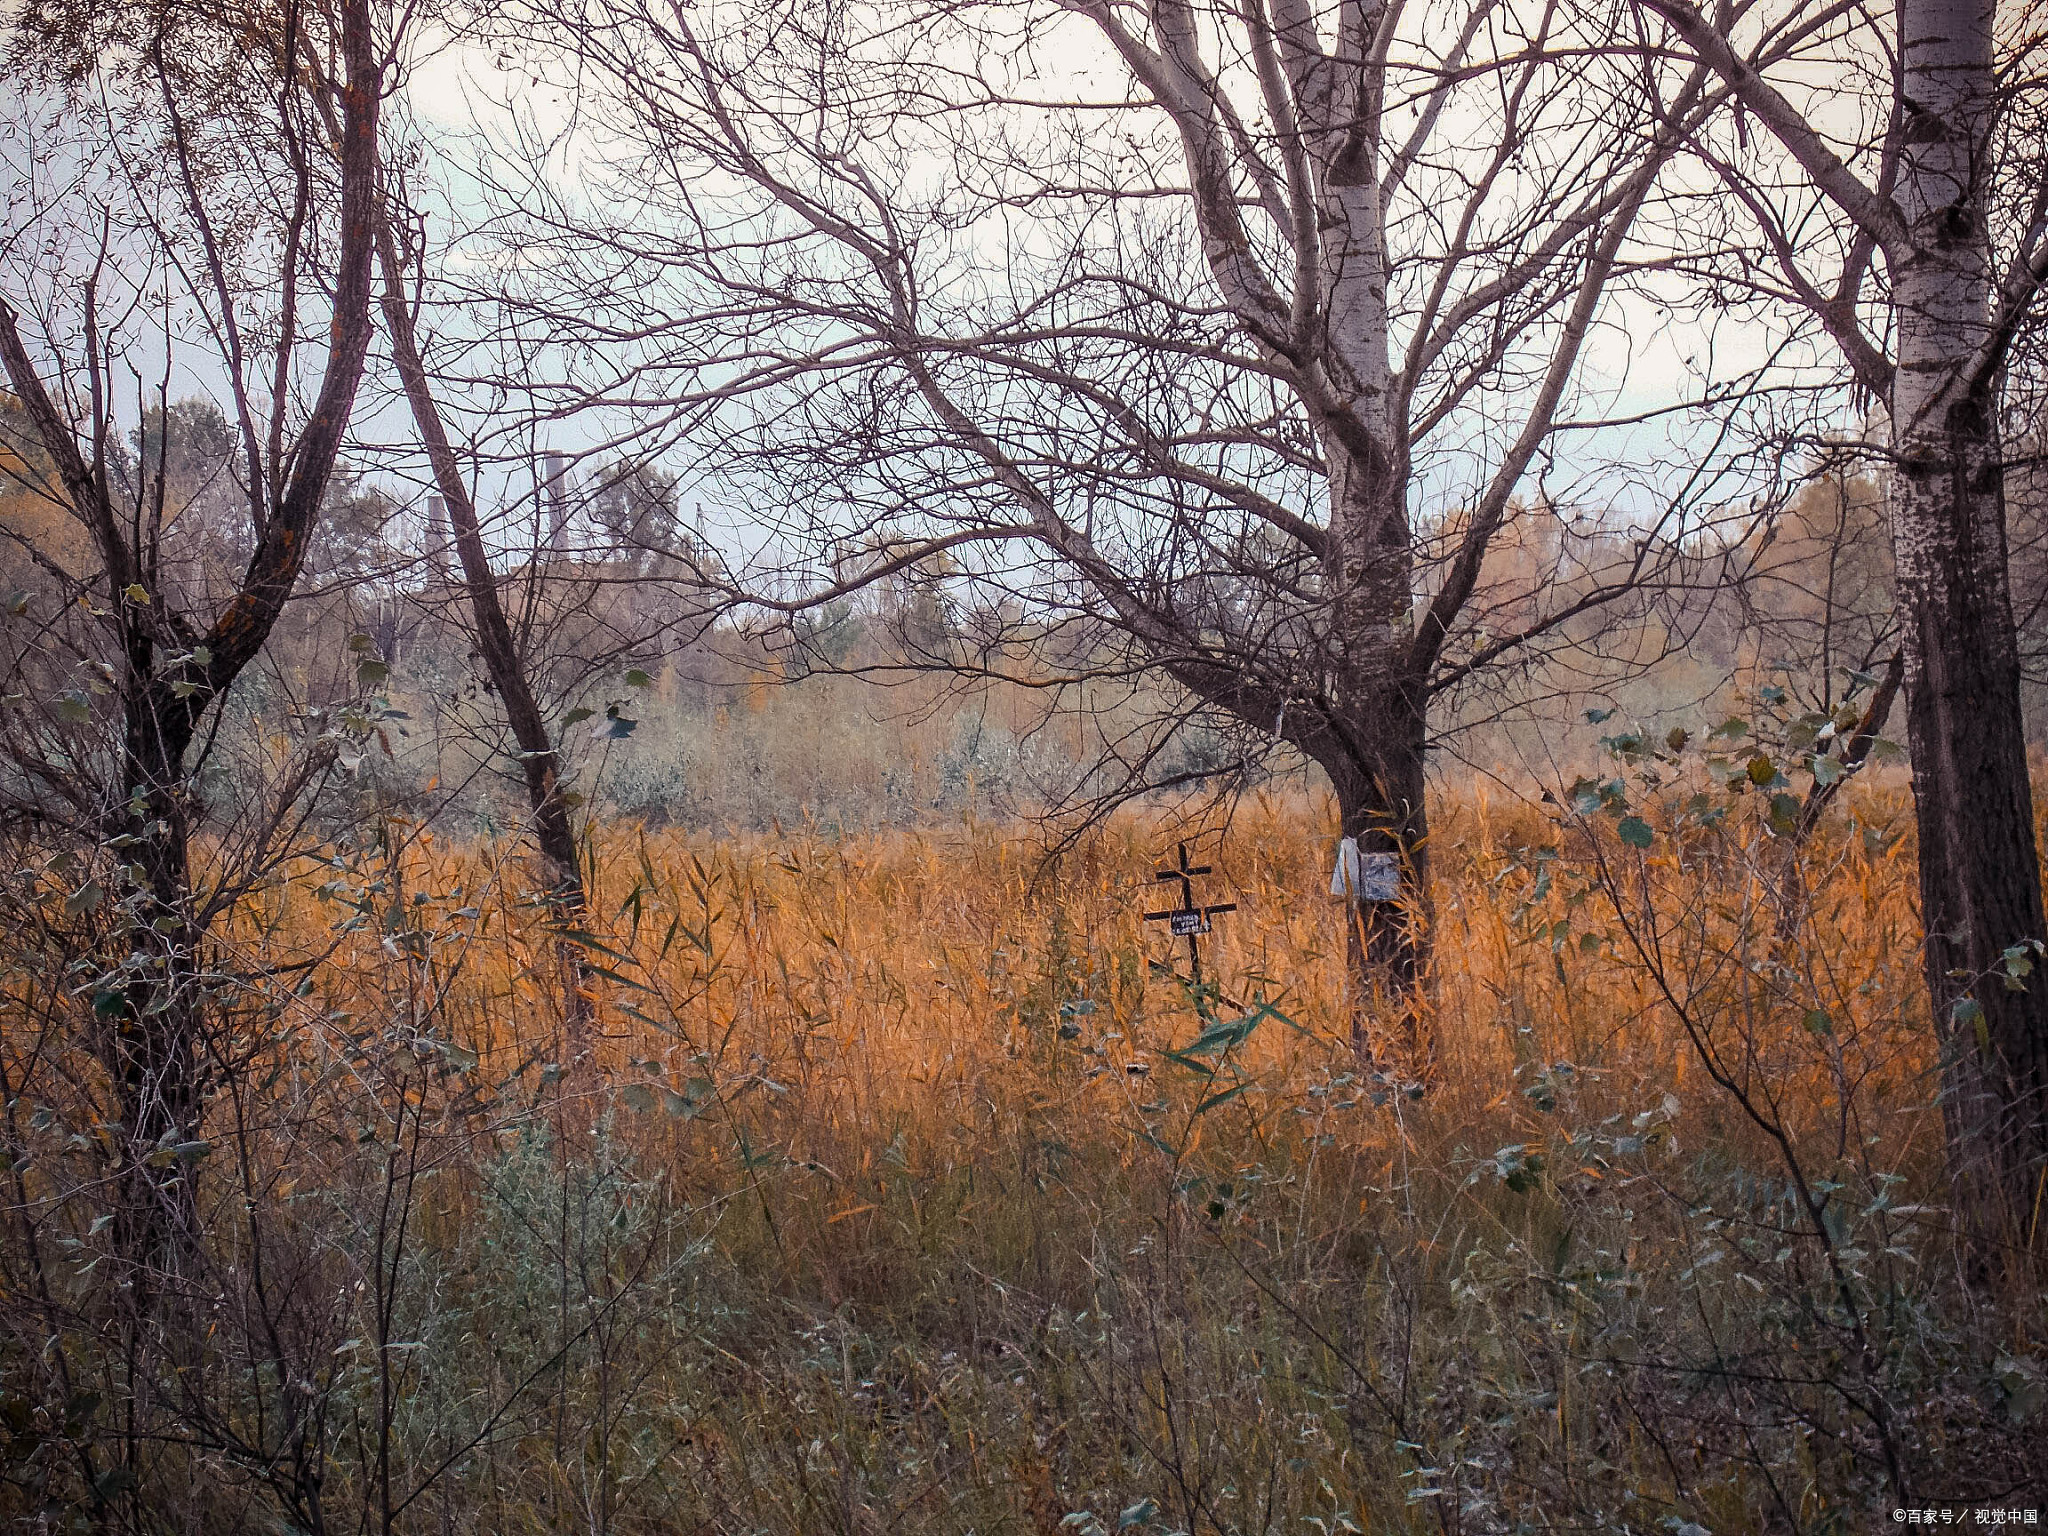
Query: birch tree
1903	212
1238	331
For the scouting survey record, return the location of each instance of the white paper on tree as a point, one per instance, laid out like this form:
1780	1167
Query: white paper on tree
1365	876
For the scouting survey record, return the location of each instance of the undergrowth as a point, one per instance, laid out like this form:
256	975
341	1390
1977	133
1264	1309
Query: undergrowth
912	1184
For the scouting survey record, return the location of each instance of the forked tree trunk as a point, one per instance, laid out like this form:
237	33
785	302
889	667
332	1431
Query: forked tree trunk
172	677
1980	881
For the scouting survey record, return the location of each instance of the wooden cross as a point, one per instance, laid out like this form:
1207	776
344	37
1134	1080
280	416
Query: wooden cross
1187	920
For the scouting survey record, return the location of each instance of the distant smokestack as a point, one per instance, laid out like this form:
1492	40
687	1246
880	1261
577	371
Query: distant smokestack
437	534
555	497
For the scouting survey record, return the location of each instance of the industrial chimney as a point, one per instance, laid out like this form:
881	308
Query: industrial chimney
555	498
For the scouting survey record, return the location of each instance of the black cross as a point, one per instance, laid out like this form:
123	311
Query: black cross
1188	920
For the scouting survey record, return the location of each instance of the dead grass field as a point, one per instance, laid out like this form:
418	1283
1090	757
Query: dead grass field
905	1184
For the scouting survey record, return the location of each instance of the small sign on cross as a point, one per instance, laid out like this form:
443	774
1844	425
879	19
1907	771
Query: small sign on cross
1188	920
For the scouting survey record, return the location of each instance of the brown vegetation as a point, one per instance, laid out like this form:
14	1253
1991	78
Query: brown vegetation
906	1195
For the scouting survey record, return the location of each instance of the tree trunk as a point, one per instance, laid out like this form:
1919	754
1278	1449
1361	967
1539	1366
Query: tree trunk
1373	744
1980	884
539	760
154	1004
1380	804
155	1034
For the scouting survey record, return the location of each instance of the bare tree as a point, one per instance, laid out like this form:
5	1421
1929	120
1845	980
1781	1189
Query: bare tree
1235	347
1914	236
585	610
539	759
240	219
552	830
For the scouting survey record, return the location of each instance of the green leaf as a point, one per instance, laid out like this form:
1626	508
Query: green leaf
1803	732
135	592
1223	1035
112	1483
1628	745
2019	964
74	707
611	975
84	899
1519	1166
2023	1385
1762	770
1215	1099
1584	796
1528	1176
577	715
1817	1022
638	1097
369	673
637	679
695	1098
1635	832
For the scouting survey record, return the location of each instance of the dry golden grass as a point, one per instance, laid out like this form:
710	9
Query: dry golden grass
828	1016
850	1213
907	989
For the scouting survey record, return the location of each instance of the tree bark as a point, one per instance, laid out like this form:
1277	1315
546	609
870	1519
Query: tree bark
1380	804
157	1010
1376	297
1953	319
1374	747
157	1021
1980	878
539	761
